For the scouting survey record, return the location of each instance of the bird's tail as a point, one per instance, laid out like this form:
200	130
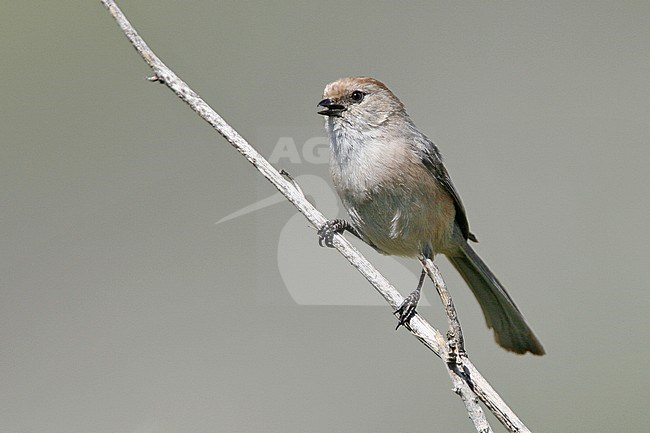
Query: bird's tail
501	314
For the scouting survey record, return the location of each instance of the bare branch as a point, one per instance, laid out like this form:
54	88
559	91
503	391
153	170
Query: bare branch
468	382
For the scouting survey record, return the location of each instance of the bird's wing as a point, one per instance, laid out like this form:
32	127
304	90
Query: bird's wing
433	162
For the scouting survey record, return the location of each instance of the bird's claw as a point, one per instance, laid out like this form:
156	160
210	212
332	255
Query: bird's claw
407	310
326	234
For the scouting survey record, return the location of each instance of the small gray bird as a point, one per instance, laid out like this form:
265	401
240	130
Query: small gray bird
401	201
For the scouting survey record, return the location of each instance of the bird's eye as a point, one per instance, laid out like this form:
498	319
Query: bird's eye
357	96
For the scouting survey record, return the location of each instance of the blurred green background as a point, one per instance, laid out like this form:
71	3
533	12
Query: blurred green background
123	307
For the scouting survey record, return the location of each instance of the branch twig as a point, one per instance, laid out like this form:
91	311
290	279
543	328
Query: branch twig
468	382
455	340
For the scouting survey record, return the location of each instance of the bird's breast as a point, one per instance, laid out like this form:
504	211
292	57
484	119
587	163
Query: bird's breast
393	200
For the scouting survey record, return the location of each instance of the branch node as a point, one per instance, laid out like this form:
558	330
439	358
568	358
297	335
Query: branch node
290	178
155	79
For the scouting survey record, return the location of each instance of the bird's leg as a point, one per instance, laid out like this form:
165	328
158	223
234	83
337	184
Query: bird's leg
407	309
333	227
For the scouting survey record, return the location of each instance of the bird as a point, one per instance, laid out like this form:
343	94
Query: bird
401	201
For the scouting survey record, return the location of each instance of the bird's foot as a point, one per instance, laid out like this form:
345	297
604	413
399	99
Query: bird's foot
407	309
329	229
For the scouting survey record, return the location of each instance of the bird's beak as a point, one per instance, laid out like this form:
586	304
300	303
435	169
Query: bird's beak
331	109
